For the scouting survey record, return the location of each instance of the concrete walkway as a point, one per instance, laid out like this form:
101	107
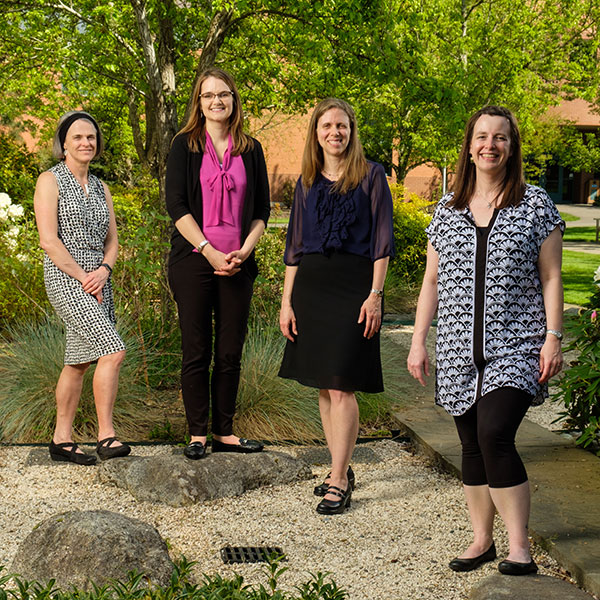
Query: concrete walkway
565	480
586	214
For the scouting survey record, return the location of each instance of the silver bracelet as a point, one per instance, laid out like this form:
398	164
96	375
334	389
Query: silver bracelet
377	292
202	245
556	333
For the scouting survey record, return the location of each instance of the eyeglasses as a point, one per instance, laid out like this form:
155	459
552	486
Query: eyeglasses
209	96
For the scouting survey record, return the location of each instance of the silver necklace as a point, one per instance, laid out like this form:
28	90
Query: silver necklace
330	175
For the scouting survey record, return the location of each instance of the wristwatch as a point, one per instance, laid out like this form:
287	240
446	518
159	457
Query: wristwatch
558	334
202	245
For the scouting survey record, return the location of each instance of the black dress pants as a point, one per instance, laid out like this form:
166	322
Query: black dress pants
487	433
200	294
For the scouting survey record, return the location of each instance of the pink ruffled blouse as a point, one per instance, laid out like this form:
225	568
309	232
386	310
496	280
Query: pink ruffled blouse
223	192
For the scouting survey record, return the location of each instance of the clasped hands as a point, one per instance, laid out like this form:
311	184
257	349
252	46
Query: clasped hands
225	265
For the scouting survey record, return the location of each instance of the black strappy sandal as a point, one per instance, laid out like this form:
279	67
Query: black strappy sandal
59	453
105	451
321	489
335	507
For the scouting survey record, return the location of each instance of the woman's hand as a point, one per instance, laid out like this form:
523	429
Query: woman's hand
94	282
287	322
418	362
219	262
370	313
551	359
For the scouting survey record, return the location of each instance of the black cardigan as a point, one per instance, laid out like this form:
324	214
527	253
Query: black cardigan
184	194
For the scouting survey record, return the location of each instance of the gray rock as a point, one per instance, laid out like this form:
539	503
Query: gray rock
530	587
321	456
177	481
80	547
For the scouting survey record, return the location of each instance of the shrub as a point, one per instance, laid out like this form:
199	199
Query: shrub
410	220
579	385
31	359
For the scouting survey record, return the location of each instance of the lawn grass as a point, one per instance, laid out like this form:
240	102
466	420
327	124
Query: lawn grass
568	217
578	276
580	234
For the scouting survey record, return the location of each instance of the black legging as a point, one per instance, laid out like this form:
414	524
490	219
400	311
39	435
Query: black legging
487	433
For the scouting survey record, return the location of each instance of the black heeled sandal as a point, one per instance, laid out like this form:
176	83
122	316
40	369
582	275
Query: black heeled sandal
335	507
321	489
59	452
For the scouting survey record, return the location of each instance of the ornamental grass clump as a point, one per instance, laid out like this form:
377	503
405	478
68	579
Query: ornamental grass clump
31	359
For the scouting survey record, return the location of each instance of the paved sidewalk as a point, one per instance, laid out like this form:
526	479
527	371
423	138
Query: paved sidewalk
565	511
586	214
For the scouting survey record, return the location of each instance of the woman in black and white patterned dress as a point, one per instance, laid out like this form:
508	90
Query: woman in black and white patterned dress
78	232
493	274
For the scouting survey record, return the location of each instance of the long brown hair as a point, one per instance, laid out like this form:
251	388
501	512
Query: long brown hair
513	186
196	124
355	163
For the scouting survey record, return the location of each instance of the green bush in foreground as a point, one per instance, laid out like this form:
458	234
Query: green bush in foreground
579	385
213	587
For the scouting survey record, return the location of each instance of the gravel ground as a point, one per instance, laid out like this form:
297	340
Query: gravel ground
406	522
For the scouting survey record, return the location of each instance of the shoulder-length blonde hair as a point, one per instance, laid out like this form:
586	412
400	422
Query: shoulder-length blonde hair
355	164
513	186
196	124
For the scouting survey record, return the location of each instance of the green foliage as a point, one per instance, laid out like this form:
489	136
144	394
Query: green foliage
31	360
213	587
410	220
18	171
579	385
580	234
568	217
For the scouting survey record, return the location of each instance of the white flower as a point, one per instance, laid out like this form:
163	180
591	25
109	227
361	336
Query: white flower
3	213
13	232
11	243
4	200
597	276
15	210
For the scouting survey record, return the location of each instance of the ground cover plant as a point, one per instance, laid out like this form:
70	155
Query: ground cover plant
212	587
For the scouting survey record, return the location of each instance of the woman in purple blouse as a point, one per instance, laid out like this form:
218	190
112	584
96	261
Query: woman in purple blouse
340	239
218	198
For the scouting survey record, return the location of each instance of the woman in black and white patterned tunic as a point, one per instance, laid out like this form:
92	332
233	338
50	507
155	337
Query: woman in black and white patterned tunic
493	274
78	232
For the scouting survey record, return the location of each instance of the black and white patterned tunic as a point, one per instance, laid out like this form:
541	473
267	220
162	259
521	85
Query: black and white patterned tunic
83	222
491	318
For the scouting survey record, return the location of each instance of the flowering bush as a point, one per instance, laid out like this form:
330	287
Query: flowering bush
21	285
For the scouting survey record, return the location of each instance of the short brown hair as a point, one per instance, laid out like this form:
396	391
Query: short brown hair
355	163
513	186
196	124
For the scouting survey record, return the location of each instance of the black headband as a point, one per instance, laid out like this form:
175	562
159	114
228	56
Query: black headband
62	132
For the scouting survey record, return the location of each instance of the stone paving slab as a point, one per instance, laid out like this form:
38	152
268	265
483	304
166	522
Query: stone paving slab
501	587
565	511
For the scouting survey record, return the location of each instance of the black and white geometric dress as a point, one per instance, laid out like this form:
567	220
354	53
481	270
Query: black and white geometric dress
491	317
83	222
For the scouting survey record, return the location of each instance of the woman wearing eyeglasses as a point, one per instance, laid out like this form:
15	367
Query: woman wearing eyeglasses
218	197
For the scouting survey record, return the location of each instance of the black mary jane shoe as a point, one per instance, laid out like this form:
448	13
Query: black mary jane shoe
244	447
195	450
468	564
321	489
335	507
510	567
105	450
60	453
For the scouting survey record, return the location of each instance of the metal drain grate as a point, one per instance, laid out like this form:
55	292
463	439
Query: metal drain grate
242	554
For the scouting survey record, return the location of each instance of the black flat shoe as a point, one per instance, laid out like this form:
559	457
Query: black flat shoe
60	453
105	451
335	507
321	489
244	447
195	450
468	564
509	567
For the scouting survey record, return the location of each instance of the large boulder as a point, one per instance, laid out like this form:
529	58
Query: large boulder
177	481
77	548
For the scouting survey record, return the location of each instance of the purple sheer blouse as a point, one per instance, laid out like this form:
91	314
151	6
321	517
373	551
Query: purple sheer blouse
358	222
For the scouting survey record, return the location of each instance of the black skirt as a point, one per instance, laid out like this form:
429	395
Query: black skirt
330	350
